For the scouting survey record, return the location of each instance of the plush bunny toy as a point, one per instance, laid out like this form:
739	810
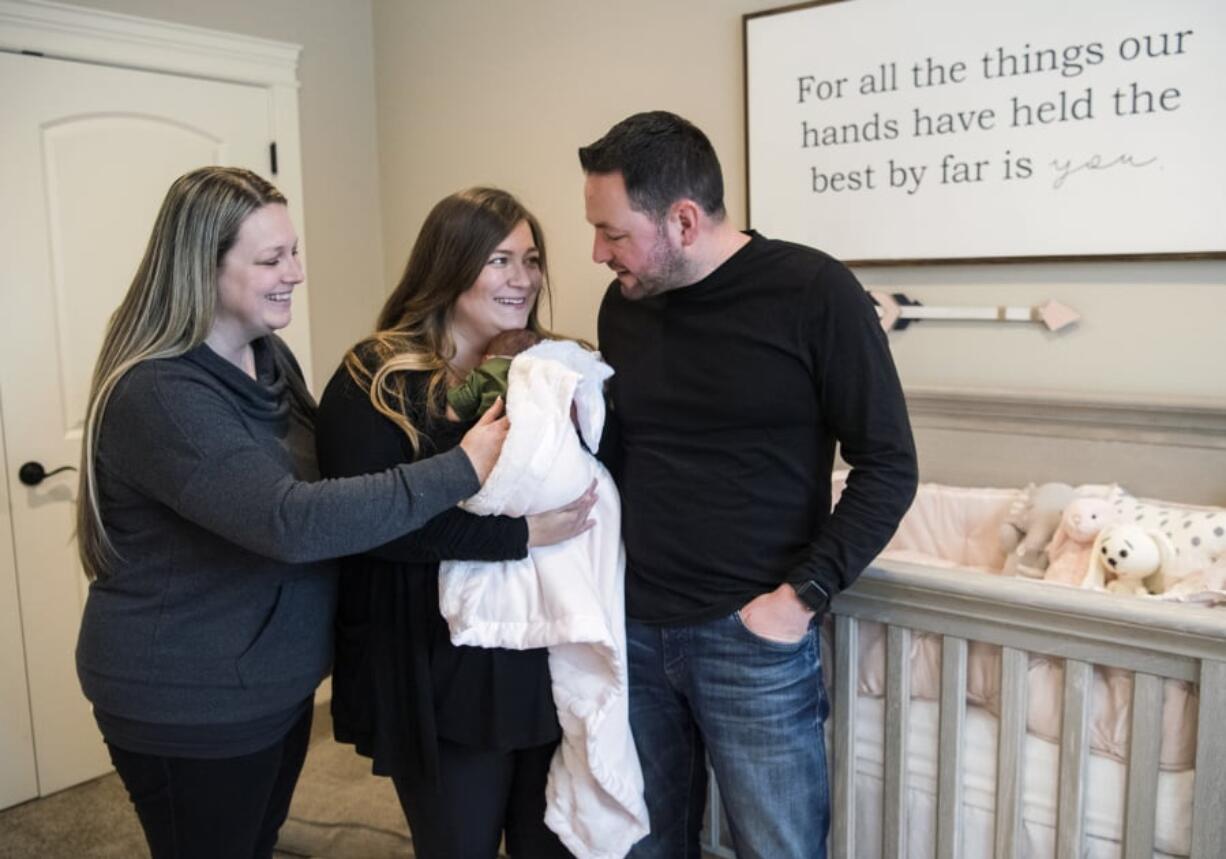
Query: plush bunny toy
1069	552
1130	554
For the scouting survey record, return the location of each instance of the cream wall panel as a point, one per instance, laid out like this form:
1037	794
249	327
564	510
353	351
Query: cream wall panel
474	92
477	91
1149	329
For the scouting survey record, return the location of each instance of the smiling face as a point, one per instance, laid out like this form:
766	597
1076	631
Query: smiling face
257	276
502	297
637	249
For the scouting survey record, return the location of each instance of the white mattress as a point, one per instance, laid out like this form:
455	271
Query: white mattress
1104	801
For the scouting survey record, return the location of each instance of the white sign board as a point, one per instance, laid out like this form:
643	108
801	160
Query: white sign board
952	130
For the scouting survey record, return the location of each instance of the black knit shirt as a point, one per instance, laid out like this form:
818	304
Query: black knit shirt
728	399
399	683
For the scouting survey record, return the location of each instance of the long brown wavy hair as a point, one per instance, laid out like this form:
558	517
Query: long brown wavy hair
413	331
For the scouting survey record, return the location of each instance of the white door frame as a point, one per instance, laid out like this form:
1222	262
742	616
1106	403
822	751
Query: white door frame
62	31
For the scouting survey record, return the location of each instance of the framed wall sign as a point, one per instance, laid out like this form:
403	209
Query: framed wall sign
904	132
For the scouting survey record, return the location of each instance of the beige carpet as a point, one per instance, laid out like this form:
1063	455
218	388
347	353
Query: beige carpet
93	819
340	811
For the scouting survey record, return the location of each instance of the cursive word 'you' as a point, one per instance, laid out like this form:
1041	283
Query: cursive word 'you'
1067	168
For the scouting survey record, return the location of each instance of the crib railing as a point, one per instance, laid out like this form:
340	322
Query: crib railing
1154	640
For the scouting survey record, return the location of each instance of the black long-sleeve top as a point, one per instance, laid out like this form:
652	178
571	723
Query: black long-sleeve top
398	682
729	397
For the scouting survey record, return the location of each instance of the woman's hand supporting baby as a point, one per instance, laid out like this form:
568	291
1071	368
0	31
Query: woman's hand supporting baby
483	443
562	523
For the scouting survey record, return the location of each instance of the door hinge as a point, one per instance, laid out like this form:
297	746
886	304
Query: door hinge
272	157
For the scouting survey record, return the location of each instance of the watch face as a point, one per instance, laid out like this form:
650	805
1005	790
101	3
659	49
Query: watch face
813	595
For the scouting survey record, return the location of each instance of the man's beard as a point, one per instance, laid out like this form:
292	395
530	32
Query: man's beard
667	268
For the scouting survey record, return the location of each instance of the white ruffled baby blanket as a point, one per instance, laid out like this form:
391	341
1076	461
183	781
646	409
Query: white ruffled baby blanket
569	597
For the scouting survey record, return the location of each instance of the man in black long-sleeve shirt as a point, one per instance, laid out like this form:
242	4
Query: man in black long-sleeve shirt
740	362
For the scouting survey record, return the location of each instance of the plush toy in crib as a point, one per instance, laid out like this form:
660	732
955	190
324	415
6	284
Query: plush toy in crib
1130	560
1192	539
1207	586
1031	522
1070	552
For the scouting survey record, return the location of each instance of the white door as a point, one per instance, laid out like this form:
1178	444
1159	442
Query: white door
18	777
86	154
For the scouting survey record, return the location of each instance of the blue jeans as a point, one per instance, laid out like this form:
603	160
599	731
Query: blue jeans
757	708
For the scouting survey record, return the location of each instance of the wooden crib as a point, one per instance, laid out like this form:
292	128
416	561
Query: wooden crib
1154	640
1075	442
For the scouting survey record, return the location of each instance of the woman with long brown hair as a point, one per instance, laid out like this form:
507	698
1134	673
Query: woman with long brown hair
466	733
206	532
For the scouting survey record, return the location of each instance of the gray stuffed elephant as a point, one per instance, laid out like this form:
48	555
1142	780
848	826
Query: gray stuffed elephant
1029	526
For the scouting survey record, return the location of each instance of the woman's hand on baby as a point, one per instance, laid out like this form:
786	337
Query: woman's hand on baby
555	526
483	443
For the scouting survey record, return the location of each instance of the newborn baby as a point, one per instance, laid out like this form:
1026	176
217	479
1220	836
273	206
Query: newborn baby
471	398
569	597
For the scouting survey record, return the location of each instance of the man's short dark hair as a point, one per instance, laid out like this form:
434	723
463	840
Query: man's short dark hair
662	158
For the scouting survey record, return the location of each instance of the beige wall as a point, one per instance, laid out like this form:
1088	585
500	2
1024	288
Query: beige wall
473	91
502	92
340	173
420	98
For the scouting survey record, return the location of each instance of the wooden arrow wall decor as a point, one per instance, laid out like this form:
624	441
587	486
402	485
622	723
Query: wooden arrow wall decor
897	311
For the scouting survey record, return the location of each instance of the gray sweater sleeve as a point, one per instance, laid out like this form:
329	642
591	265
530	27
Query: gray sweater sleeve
179	441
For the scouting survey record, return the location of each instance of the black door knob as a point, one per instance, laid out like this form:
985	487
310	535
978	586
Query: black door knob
33	473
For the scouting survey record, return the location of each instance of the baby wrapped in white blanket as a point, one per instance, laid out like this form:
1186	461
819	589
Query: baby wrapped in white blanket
567	597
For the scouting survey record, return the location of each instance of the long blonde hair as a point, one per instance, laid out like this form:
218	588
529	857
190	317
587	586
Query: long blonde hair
167	311
412	333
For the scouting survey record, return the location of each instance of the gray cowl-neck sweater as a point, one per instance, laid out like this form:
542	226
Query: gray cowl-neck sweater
220	608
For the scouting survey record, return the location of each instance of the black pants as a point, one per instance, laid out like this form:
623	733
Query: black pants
205	808
483	794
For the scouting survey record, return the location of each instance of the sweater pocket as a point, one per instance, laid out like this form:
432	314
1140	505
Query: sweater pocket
296	641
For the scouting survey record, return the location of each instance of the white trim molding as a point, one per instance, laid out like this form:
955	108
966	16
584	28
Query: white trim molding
1174	449
71	32
1200	424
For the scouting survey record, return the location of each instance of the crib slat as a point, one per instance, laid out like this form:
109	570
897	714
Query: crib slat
949	754
1074	754
1010	751
1144	748
1208	821
846	681
897	712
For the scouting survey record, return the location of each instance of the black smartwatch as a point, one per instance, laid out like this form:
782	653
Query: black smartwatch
813	595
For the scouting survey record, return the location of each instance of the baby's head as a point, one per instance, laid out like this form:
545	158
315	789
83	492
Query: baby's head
510	343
